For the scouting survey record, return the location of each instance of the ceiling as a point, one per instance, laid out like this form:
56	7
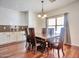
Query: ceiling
34	5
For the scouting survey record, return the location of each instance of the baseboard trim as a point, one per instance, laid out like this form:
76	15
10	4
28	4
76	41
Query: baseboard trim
12	43
71	45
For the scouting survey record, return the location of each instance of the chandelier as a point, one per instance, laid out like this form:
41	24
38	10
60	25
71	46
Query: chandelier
42	14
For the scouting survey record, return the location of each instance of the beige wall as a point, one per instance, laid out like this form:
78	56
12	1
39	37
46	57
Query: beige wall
73	18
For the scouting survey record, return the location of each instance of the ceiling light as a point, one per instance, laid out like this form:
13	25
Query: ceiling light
42	14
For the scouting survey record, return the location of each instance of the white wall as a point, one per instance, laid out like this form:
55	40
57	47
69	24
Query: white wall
26	17
11	17
23	18
31	19
73	18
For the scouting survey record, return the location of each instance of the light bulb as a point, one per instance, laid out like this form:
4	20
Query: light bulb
42	16
45	15
39	15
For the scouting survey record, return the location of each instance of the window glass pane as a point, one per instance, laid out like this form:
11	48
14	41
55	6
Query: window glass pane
60	20
59	29
51	21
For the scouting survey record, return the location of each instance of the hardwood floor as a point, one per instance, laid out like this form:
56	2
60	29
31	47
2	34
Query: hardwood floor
18	51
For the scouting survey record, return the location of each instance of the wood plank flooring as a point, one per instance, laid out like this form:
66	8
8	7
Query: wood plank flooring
19	51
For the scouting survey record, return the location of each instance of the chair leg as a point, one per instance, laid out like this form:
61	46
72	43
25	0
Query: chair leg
58	54
30	46
62	51
35	49
53	51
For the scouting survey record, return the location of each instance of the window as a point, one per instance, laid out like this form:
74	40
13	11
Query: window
56	23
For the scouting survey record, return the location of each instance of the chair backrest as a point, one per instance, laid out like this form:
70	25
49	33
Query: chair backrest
31	32
27	35
26	31
59	37
62	34
32	36
50	31
44	31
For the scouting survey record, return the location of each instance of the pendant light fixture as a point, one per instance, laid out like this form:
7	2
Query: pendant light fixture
42	14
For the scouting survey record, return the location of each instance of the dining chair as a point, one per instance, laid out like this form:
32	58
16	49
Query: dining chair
27	37
32	37
50	31
44	31
57	42
35	41
28	40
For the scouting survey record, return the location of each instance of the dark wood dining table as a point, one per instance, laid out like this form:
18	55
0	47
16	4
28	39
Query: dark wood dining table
43	37
48	39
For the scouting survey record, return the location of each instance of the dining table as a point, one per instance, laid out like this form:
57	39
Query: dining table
49	39
46	37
